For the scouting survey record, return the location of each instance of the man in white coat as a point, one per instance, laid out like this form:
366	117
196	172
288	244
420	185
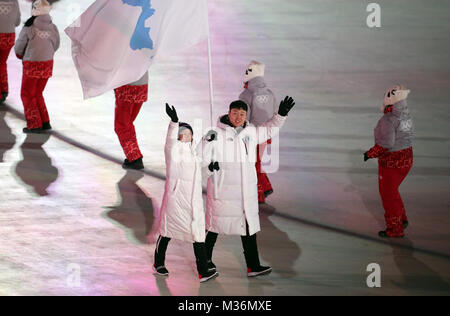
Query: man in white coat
182	212
230	153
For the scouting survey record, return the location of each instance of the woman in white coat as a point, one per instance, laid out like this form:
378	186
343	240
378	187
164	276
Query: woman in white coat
182	213
233	209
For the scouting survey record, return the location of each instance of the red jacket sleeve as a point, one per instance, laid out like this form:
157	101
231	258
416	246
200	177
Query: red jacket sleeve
376	151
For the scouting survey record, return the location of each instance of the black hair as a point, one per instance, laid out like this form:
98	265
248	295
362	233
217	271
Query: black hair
186	125
30	21
239	105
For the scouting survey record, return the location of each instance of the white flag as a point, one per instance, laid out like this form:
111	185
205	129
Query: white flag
114	42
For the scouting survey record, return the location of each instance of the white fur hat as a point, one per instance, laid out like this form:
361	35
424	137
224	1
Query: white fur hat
40	7
253	70
396	94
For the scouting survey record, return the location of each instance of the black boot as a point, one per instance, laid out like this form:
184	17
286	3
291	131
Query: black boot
384	234
134	165
46	126
204	274
254	267
32	131
3	97
160	256
267	193
210	241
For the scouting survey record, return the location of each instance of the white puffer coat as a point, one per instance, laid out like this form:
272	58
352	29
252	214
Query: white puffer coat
237	196
182	212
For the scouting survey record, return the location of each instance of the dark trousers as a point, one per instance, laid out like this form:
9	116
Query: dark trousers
249	243
199	251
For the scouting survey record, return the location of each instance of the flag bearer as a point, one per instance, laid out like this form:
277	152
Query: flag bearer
129	101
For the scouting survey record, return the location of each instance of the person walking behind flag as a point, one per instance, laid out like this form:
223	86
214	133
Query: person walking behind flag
129	101
133	34
9	20
38	41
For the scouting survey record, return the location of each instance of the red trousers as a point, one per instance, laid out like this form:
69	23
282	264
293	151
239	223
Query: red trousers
264	184
33	101
4	53
129	101
6	43
395	213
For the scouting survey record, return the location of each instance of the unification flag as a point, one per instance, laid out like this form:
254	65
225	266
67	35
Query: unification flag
114	42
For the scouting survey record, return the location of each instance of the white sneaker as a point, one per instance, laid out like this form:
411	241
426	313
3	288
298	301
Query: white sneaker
259	271
208	276
162	271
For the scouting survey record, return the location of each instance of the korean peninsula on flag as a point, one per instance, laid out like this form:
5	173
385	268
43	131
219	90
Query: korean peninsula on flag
114	42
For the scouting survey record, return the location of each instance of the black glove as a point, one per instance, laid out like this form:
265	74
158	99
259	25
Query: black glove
286	105
366	157
172	113
211	136
214	166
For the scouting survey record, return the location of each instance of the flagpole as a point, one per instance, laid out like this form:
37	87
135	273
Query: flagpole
211	88
211	98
